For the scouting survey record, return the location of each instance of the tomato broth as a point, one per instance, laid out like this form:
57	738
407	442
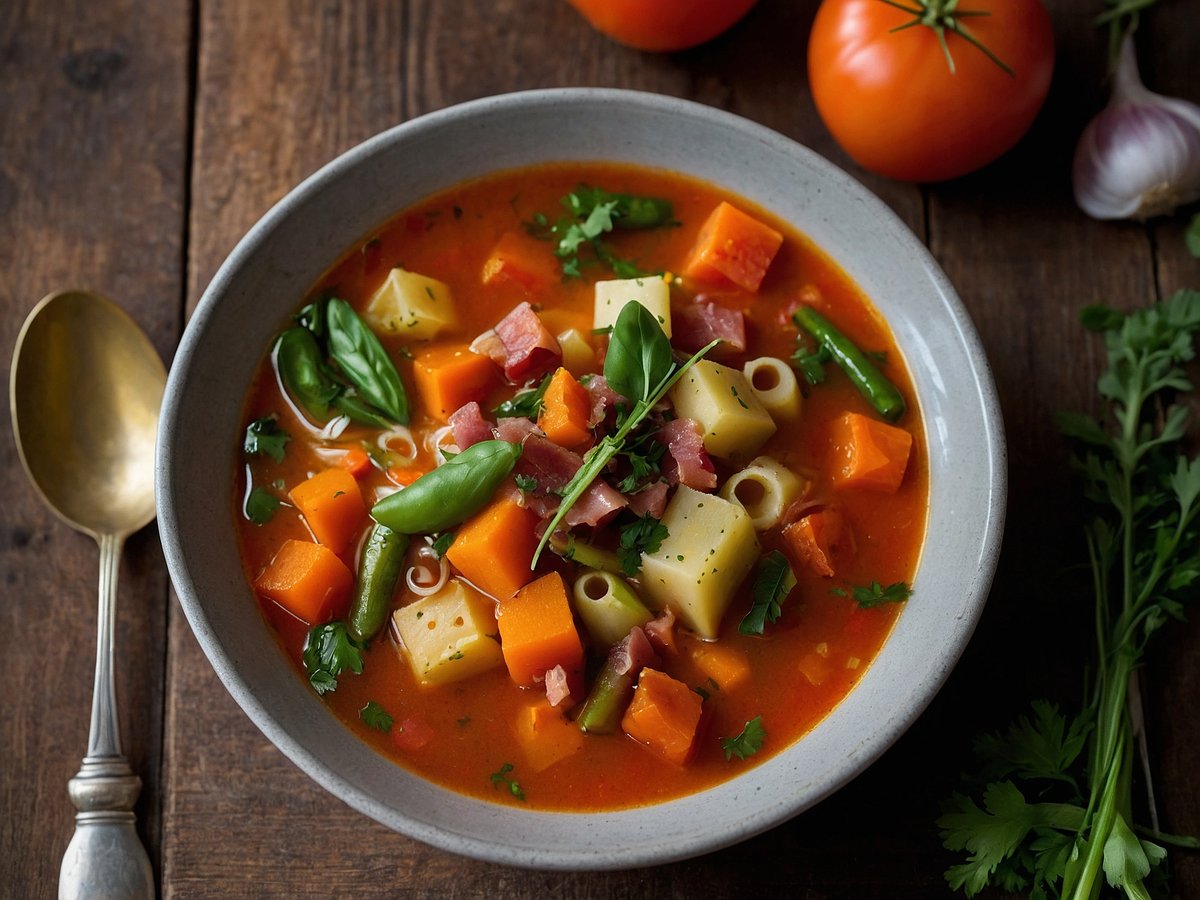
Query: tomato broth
465	734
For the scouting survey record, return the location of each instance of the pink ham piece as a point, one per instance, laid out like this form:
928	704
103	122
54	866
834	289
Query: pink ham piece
598	503
489	344
469	425
695	326
686	462
633	653
604	399
530	349
661	631
514	429
557	687
650	500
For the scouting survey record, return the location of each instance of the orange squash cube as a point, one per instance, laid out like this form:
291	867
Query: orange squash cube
732	248
566	408
537	632
546	735
494	550
720	662
812	539
332	505
521	260
308	580
664	715
449	376
869	454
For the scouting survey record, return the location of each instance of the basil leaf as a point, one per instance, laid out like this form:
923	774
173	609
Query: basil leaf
356	349
639	354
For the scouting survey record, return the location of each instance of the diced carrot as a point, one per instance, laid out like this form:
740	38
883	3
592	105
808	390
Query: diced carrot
537	631
356	462
725	665
546	735
404	475
449	376
521	260
333	507
412	734
308	580
813	538
495	549
733	247
566	408
869	454
664	715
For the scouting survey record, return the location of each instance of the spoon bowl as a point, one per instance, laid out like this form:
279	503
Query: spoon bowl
85	391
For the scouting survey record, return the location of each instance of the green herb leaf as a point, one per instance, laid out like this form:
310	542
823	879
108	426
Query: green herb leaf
874	594
260	506
748	742
265	436
526	483
500	778
443	543
356	349
524	403
1192	236
643	536
375	716
328	651
773	581
639	355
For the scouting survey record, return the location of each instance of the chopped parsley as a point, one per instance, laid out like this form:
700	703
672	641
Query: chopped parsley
328	651
265	436
643	536
442	543
261	506
500	777
525	403
874	594
747	743
376	717
526	484
773	582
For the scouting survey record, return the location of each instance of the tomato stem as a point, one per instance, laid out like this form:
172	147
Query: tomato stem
942	16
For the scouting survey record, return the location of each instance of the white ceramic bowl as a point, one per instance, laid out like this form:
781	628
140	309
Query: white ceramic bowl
284	254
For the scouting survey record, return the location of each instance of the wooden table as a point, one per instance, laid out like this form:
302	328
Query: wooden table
141	138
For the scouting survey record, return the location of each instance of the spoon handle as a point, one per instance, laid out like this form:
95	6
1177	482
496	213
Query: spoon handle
105	857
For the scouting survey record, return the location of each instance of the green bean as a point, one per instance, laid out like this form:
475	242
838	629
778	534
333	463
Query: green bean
451	493
884	396
378	571
610	694
302	371
356	349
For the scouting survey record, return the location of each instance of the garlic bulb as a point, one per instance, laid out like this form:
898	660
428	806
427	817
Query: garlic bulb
1140	157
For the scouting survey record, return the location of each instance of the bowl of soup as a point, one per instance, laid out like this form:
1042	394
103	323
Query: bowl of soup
590	479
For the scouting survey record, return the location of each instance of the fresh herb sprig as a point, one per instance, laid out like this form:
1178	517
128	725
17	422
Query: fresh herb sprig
591	213
265	436
639	365
643	536
773	581
1144	546
748	741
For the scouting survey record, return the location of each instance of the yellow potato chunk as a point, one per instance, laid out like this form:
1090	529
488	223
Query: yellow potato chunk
411	306
651	291
447	636
732	420
578	356
709	549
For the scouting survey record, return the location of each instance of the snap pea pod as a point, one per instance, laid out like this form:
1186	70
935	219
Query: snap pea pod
610	695
884	396
364	362
302	370
378	571
451	493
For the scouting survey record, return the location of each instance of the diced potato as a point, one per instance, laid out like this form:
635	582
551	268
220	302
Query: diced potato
732	420
709	549
651	291
578	355
446	636
411	305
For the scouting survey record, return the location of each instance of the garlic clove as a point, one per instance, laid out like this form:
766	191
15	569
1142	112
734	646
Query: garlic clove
1140	156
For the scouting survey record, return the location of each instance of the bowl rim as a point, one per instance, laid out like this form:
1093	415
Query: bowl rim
715	834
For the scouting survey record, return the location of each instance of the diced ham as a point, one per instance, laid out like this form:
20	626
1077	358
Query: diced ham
550	465
530	349
513	429
695	326
633	653
604	398
469	425
597	504
557	687
661	631
687	462
650	500
489	344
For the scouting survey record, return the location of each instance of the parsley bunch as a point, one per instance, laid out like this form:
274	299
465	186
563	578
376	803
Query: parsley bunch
1070	822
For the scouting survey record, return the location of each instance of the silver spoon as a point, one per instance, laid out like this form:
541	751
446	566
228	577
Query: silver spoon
85	391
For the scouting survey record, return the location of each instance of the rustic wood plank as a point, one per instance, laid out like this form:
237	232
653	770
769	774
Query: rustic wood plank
93	113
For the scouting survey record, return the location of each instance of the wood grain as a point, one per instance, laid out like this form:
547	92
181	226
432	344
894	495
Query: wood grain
120	173
93	115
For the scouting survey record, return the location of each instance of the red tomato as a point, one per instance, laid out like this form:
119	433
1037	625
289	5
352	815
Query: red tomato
662	25
892	102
